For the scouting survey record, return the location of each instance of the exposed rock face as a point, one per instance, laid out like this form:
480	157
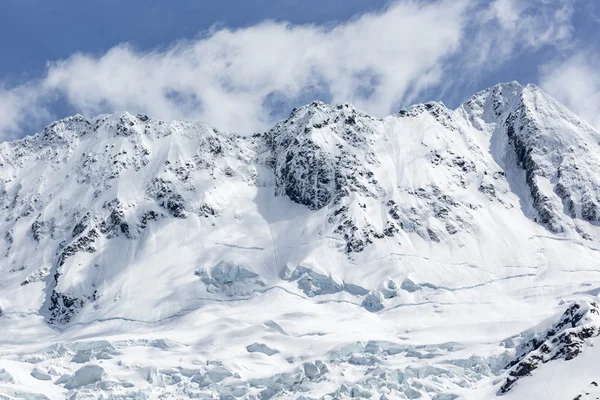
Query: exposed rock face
321	153
62	307
546	211
565	340
557	152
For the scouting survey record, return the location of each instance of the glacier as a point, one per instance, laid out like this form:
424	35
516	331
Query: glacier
433	254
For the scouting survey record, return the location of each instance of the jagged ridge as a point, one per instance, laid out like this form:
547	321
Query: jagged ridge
126	218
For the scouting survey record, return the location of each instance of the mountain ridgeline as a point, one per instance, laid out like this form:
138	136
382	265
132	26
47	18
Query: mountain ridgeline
104	218
421	174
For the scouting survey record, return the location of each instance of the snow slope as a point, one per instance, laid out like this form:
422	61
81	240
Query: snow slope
432	254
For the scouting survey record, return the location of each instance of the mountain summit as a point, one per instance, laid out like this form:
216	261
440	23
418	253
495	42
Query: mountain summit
432	254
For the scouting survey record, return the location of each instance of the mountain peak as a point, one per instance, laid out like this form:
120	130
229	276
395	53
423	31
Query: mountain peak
334	242
318	112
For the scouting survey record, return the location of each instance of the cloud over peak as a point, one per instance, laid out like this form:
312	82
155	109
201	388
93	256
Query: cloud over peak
242	80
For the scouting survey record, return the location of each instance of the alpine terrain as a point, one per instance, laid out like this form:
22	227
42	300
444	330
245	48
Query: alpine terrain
434	254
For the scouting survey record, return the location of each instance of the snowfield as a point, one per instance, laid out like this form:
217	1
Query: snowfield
434	254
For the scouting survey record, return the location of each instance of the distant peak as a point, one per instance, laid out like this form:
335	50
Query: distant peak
322	106
433	107
502	87
531	86
507	89
319	113
508	84
64	129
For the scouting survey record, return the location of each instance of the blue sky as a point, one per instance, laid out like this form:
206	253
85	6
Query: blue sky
241	65
34	32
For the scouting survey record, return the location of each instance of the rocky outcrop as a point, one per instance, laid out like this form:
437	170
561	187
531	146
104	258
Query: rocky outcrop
321	153
166	196
556	151
566	338
547	213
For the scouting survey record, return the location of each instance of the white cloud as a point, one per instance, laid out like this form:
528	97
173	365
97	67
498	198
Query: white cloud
230	74
576	83
506	12
231	78
19	107
508	27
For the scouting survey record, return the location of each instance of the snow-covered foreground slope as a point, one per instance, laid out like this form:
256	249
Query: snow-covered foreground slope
433	254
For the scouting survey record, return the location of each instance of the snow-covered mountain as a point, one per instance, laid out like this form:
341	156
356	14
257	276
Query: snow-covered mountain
433	254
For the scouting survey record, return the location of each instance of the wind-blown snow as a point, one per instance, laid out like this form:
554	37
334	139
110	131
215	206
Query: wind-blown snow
433	254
